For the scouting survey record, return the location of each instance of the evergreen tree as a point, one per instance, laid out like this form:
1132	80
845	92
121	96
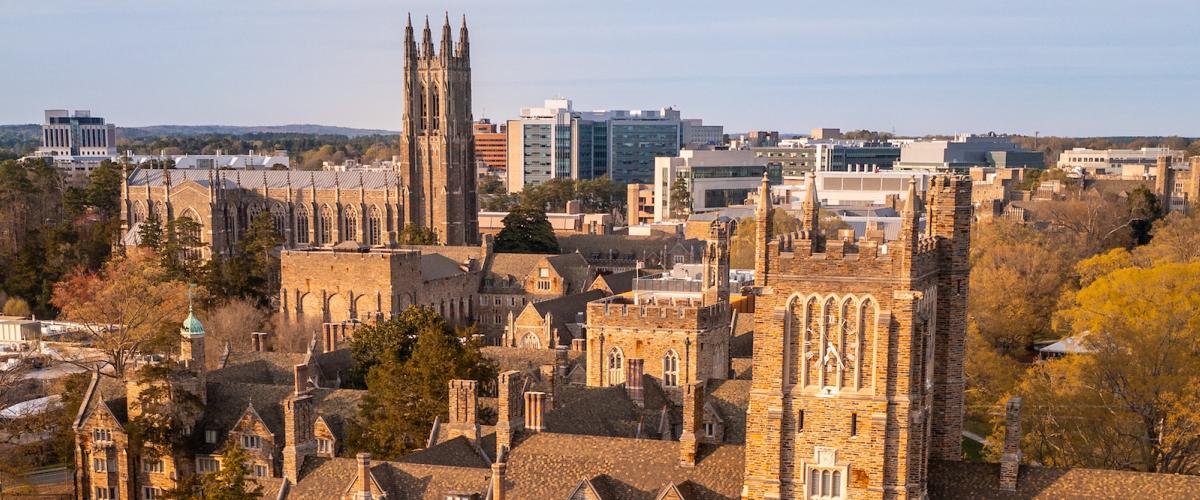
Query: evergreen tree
150	233
391	341
681	197
403	398
229	483
527	230
414	234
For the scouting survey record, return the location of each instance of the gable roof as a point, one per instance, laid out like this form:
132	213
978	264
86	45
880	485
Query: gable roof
564	310
549	465
982	480
329	478
615	283
96	398
436	266
271	179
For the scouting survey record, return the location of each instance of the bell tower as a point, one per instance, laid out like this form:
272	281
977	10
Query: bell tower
437	146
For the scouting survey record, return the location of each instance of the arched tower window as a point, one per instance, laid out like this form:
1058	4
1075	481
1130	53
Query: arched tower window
375	227
325	226
849	344
422	112
868	311
811	356
530	340
350	224
671	369
139	212
830	357
302	224
434	109
252	213
616	366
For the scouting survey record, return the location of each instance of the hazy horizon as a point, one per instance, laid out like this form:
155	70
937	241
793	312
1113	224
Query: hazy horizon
1061	68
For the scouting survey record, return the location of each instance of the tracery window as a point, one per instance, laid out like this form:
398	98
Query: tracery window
301	224
671	369
616	366
325	226
374	227
350	224
530	340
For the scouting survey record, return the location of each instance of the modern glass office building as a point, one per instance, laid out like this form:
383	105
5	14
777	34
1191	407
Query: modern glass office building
557	141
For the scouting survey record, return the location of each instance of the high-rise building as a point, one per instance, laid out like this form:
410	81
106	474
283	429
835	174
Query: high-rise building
558	141
491	148
694	133
437	147
78	134
713	180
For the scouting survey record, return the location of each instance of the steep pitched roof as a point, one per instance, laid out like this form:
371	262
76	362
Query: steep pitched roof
436	266
329	478
982	480
272	179
565	310
615	283
549	465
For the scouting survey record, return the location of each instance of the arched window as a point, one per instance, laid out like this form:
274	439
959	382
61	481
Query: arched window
849	344
279	217
189	234
139	212
434	110
810	357
374	227
830	356
301	225
422	111
671	369
616	367
350	224
252	213
868	311
325	226
531	340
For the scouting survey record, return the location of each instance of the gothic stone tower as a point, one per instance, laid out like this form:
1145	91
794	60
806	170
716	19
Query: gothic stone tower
437	148
858	352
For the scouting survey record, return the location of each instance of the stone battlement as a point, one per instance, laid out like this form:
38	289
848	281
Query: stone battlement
658	312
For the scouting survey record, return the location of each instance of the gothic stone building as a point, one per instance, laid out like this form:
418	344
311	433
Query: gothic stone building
437	144
434	186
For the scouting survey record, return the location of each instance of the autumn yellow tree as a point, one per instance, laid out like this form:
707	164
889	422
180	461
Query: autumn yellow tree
1133	402
127	309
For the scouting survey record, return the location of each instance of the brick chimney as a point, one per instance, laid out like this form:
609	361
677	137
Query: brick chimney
578	345
1010	458
508	420
464	410
364	489
634	368
535	403
299	418
693	421
498	481
258	341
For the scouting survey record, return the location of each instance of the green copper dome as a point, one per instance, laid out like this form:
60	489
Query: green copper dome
191	325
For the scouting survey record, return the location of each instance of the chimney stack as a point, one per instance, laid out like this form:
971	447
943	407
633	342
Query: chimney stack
498	480
1193	189
299	419
258	341
535	411
363	488
508	420
579	345
1010	459
693	420
464	410
327	340
1163	183
633	380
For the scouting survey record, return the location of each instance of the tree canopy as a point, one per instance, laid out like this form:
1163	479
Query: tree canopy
527	230
392	340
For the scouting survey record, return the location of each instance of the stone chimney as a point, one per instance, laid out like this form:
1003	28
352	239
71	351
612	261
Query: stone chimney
464	410
328	342
258	341
693	421
578	345
498	481
364	489
535	403
1010	458
508	418
1193	189
489	245
634	368
299	418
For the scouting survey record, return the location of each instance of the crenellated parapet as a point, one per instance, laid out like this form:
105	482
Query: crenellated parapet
663	312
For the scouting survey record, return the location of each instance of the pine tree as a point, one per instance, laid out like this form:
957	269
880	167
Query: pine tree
527	230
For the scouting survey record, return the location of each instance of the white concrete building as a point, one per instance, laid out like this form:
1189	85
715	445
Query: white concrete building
277	160
716	179
1126	163
80	134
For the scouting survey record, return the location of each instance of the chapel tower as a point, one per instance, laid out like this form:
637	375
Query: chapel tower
437	147
858	351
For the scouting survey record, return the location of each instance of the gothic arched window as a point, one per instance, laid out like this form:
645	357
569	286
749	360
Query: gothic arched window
671	369
350	224
531	340
301	224
325	226
279	217
434	110
616	366
830	356
374	227
139	212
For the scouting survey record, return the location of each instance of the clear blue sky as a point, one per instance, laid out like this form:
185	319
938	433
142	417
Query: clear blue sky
1095	67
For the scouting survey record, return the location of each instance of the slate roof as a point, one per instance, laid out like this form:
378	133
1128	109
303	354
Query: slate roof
634	469
565	310
456	451
597	411
437	266
329	478
731	398
617	283
969	480
228	401
622	247
275	368
272	179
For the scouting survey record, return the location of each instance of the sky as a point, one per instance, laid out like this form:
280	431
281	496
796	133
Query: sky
1057	67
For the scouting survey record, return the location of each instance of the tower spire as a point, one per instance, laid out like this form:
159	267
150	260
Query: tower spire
447	42
811	206
427	41
410	44
464	48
